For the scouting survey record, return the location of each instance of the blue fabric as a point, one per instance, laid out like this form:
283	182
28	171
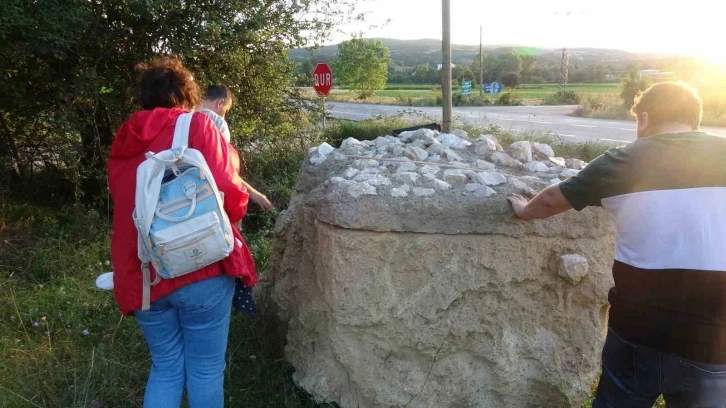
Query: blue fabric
243	301
186	332
634	376
173	191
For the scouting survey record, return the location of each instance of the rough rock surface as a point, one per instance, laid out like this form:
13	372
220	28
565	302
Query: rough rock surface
432	294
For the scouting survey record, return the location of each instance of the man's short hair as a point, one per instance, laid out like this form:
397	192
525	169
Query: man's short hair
166	83
670	102
218	91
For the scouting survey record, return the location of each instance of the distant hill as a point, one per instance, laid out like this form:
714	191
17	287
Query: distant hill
411	53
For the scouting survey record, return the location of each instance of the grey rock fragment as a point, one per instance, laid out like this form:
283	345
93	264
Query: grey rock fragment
360	189
460	133
485	147
484	165
350	173
441	185
352	147
573	267
415	153
454	176
536	166
398	192
521	151
436	148
450	154
542	150
406	167
407	177
520	187
430	169
489	178
503	159
575	164
423	192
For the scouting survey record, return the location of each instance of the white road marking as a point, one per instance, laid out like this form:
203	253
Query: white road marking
350	113
585	126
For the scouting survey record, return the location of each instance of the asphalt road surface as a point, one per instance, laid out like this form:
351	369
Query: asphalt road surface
522	119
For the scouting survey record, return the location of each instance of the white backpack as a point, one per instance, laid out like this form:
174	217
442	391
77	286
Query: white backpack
179	212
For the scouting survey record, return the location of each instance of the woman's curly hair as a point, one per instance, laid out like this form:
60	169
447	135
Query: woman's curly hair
166	83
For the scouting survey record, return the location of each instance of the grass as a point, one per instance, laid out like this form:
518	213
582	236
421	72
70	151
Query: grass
63	343
430	95
611	107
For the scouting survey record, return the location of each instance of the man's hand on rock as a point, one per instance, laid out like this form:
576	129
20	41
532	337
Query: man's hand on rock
518	204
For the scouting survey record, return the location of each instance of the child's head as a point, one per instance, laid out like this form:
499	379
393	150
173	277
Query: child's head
218	98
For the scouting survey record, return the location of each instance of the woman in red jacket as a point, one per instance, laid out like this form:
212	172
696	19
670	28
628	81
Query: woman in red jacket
187	325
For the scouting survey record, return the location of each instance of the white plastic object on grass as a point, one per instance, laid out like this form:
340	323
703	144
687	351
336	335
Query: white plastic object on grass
105	281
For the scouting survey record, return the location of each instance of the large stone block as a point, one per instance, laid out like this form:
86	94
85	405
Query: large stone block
443	300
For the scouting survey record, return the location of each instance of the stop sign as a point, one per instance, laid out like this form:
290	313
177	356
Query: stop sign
323	77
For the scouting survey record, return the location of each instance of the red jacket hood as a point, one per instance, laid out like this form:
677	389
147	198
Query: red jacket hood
135	136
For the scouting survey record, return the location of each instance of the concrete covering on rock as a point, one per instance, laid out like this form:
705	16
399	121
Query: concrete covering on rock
424	290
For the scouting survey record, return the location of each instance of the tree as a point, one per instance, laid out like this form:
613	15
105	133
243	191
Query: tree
491	70
68	71
511	79
529	64
509	63
362	65
462	73
630	84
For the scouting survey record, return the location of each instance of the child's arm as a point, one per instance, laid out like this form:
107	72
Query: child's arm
259	198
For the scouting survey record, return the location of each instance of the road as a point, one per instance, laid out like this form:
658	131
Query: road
522	119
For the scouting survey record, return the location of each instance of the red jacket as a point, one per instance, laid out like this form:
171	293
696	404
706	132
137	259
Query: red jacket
153	131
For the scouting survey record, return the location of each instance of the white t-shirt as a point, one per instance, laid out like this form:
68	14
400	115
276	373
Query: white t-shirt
219	122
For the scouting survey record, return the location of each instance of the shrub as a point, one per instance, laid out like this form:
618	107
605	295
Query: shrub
562	97
601	106
511	79
509	99
368	129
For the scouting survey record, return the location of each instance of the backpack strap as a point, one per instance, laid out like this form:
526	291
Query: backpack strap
181	130
180	142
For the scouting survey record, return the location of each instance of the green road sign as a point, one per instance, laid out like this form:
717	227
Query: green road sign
466	88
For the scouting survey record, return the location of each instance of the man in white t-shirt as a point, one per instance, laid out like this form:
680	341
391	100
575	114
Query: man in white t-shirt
217	101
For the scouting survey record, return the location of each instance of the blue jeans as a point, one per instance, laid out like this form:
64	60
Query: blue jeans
186	332
634	376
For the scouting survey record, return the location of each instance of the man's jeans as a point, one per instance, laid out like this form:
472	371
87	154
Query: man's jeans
633	376
186	332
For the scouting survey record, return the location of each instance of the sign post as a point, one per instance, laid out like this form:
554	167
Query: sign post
493	88
466	88
323	77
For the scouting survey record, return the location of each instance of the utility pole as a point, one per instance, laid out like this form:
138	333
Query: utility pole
446	66
564	69
481	61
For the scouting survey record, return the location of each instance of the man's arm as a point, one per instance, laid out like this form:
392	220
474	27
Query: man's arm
547	203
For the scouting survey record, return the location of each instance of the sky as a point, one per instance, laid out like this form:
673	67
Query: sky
694	27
